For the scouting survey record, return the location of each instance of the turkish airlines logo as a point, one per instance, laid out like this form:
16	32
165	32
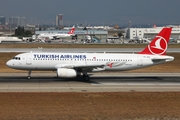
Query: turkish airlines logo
158	46
72	30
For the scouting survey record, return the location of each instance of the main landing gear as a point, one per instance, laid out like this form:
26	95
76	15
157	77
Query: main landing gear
82	74
86	77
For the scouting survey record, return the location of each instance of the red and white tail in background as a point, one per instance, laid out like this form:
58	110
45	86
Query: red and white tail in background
72	30
159	44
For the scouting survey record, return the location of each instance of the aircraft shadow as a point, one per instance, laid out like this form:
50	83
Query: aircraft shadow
93	79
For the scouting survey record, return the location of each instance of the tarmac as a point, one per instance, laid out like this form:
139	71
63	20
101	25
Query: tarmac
99	82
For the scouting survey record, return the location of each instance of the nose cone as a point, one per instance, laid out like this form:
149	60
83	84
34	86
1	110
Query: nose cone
9	63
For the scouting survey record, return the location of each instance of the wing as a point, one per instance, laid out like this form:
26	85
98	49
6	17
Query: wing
93	67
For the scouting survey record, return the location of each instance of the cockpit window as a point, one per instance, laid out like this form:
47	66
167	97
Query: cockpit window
16	58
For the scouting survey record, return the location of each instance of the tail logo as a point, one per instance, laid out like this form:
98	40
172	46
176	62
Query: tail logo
71	31
159	46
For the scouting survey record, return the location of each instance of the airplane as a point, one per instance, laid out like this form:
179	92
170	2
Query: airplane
10	39
57	35
69	34
72	65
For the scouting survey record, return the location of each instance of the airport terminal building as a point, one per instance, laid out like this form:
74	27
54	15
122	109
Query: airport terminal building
150	33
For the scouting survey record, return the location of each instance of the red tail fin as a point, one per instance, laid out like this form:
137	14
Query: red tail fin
159	44
72	30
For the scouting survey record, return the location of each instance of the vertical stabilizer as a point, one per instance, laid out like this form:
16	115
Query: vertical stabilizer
72	30
159	44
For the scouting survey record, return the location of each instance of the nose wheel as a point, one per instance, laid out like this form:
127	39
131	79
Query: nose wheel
29	75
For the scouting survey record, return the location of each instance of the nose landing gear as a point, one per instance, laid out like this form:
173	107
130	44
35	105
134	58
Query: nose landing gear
29	75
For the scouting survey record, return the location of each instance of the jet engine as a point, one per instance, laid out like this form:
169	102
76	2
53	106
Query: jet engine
66	73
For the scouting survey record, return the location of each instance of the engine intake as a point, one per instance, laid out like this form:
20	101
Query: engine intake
66	73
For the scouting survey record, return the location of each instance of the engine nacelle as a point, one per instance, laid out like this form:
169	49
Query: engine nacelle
66	73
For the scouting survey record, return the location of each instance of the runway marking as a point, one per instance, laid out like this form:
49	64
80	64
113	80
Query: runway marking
126	88
150	83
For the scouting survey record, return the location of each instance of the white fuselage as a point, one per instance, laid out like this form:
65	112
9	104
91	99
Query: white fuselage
52	36
87	61
63	35
10	39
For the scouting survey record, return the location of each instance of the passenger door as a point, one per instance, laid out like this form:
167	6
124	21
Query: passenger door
139	61
28	59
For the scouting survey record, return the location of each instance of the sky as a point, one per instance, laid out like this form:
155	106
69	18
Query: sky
103	12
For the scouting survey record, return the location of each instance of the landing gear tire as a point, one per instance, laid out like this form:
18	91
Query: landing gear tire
86	77
29	75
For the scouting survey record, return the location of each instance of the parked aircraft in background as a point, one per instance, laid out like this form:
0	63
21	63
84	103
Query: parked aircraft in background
69	34
10	39
52	36
71	65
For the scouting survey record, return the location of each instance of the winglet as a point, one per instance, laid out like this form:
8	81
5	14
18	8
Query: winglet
159	44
